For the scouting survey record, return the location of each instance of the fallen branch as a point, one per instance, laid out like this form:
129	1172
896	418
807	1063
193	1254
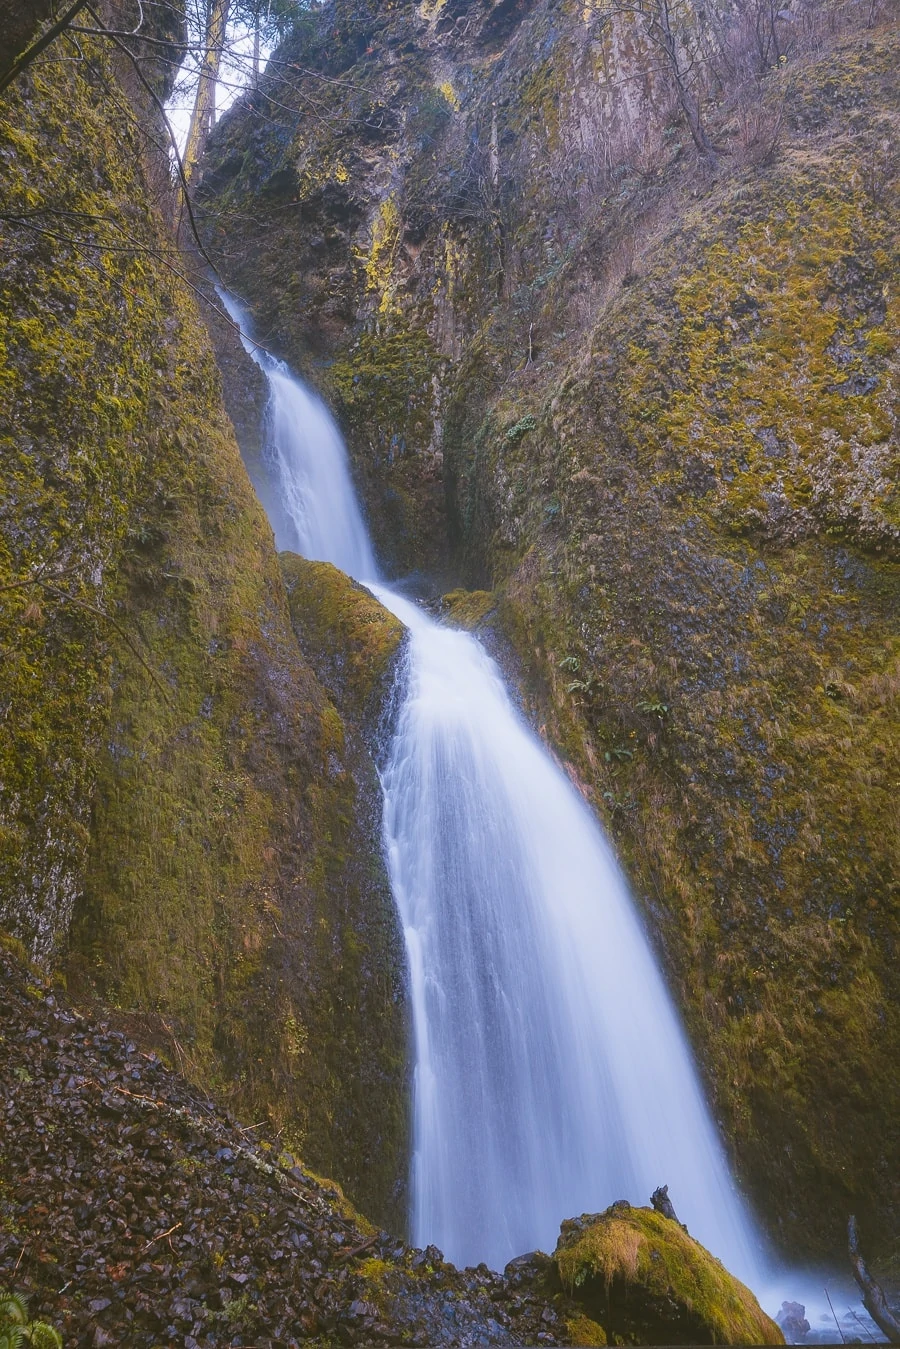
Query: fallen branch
874	1300
344	1256
159	1237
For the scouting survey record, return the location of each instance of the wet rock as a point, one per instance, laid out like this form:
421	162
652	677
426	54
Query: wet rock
792	1319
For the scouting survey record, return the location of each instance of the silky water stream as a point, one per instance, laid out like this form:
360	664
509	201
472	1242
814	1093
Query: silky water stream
551	1074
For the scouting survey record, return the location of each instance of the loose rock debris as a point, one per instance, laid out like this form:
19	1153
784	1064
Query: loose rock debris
134	1211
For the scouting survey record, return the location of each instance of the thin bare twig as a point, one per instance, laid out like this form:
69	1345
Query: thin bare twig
343	1256
179	164
862	1324
159	1237
99	613
834	1314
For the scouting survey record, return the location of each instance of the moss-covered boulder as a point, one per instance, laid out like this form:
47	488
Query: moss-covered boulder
350	638
646	1281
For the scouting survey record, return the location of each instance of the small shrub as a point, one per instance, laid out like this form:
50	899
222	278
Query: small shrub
521	428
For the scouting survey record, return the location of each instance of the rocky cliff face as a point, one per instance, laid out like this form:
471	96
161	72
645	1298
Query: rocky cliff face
190	828
637	328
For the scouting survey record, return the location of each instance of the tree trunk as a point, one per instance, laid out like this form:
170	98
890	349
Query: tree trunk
874	1300
205	100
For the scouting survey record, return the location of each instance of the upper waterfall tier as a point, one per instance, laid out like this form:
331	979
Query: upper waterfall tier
314	509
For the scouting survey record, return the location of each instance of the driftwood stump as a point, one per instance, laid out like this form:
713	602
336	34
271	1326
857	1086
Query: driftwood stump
874	1300
663	1204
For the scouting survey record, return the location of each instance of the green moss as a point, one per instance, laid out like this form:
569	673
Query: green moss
176	780
769	308
350	637
331	1193
583	1331
382	390
644	1268
79	455
14	946
387	378
537	106
468	608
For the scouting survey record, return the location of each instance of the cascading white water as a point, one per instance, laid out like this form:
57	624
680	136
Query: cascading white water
551	1074
315	511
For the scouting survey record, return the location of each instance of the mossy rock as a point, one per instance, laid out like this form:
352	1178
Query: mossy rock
349	637
468	608
648	1282
186	821
582	1330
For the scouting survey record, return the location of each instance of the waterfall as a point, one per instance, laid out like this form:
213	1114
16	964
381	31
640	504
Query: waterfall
551	1073
313	509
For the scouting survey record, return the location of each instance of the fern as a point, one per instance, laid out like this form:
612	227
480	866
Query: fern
44	1336
13	1311
16	1329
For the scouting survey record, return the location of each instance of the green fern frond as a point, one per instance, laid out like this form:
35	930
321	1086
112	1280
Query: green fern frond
16	1330
13	1310
44	1336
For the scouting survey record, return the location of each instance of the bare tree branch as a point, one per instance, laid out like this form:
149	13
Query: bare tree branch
53	32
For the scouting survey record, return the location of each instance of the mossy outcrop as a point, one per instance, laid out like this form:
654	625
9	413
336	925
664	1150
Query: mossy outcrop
468	608
187	823
710	634
646	1281
350	638
660	390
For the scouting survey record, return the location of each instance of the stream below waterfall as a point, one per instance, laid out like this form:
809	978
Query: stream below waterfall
551	1074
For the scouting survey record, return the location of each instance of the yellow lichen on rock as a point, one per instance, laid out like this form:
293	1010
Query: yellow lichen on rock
379	264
